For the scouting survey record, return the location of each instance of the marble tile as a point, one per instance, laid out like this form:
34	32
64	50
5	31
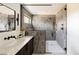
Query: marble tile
52	47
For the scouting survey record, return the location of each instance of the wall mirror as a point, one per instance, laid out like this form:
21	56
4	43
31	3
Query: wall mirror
7	18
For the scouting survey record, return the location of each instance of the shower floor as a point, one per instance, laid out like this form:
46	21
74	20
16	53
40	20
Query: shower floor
52	47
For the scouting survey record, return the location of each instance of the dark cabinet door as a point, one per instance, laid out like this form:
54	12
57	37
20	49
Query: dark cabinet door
27	49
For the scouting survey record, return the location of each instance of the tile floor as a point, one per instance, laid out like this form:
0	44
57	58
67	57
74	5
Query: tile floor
52	47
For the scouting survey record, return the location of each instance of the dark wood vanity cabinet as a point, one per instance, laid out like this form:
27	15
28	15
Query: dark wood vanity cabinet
27	49
37	45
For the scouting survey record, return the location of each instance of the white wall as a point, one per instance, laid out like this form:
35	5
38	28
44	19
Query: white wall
73	28
16	7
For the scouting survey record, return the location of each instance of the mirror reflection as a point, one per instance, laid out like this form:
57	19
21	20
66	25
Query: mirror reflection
7	18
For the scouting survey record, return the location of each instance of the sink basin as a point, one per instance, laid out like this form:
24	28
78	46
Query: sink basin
7	43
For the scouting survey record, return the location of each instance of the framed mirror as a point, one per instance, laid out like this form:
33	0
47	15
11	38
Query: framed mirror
7	18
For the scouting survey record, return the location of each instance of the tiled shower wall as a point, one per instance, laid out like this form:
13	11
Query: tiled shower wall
45	23
61	22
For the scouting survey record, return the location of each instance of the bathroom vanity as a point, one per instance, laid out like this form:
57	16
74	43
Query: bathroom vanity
21	46
33	43
27	49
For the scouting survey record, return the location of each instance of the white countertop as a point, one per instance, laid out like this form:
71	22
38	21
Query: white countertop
13	49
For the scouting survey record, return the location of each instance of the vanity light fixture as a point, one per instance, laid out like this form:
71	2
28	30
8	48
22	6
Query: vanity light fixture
17	19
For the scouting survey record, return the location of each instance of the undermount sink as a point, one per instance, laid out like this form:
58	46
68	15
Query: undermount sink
8	43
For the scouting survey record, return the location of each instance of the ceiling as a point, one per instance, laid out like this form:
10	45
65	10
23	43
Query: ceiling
44	9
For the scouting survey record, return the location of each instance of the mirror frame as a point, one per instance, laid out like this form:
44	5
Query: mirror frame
14	18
